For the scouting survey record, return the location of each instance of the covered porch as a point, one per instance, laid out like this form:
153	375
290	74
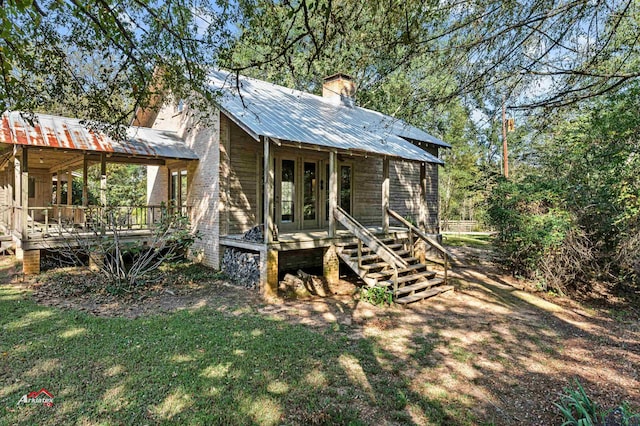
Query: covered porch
313	202
55	180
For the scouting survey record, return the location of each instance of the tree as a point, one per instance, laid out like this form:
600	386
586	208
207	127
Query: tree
556	51
575	214
99	60
94	58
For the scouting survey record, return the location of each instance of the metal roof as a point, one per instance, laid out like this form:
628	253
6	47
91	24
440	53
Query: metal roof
266	109
69	133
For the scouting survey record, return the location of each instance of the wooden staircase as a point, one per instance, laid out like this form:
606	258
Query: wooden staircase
390	263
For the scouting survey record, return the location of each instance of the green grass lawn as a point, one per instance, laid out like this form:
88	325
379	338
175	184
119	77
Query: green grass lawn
197	367
467	240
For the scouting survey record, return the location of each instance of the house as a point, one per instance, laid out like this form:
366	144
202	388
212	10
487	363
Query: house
327	179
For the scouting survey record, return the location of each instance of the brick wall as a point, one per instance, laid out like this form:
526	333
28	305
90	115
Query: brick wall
201	132
157	185
31	262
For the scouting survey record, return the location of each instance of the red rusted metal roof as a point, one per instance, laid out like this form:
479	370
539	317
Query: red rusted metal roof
68	133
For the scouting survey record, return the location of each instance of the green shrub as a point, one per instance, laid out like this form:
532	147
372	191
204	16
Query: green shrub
577	408
537	236
378	296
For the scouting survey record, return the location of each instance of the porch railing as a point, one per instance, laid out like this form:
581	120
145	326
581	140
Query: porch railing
50	220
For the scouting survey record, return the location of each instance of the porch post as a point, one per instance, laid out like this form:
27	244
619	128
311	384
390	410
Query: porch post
103	180
269	279
58	188
385	195
69	188
58	214
423	197
330	261
85	185
268	193
333	191
24	191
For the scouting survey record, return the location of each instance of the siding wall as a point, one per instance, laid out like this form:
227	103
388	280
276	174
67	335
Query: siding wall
367	184
241	204
43	193
432	222
405	193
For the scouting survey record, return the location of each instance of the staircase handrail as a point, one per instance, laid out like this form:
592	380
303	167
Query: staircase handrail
370	240
412	228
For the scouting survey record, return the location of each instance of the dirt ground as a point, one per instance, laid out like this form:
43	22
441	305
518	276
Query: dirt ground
502	352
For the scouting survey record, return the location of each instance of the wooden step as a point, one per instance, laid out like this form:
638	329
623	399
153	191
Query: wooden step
410	268
385	241
375	256
412	277
408	289
352	251
370	266
423	294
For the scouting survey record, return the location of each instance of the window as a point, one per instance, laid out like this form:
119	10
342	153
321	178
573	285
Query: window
344	188
309	191
287	191
178	188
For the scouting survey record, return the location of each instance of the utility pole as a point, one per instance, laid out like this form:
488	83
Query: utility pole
505	151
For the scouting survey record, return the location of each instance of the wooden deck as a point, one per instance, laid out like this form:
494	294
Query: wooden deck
68	226
309	239
38	241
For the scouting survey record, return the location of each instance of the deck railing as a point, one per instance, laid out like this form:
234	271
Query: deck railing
50	220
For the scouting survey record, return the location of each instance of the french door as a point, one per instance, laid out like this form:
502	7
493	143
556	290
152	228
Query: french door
297	194
302	192
286	202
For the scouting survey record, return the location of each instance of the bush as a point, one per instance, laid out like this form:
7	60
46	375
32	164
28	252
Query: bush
378	296
123	262
538	238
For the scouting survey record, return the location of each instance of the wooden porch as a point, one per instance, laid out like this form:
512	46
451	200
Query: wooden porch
57	225
54	181
309	239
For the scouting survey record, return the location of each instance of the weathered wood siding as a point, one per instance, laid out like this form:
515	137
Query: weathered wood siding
405	193
367	187
43	192
432	222
407	196
240	179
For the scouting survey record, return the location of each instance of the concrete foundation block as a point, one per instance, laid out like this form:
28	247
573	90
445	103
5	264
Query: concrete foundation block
331	265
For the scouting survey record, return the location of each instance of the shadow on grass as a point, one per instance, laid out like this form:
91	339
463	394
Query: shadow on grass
193	367
489	355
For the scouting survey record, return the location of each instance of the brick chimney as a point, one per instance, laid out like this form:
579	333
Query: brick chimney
340	88
145	117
